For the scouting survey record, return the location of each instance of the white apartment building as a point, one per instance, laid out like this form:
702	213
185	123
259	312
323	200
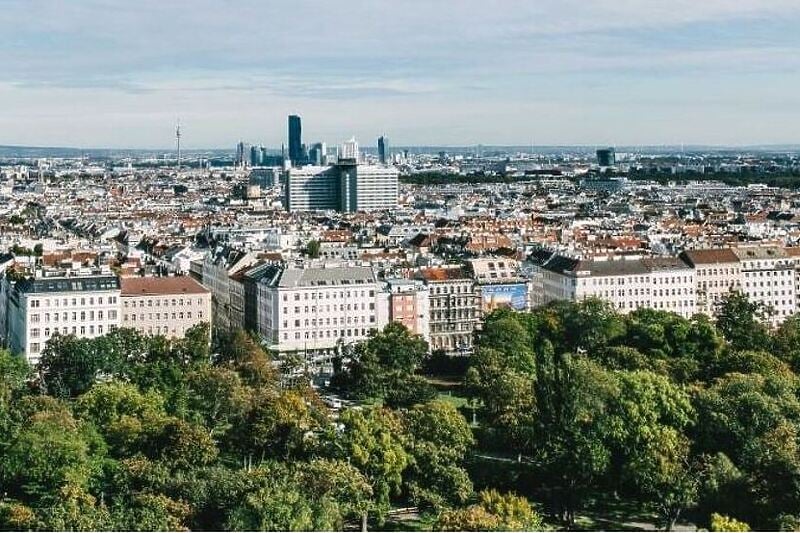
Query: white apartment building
717	272
167	306
86	306
316	308
768	277
628	284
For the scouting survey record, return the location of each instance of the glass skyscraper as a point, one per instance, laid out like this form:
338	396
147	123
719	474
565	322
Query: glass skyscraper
383	149
295	140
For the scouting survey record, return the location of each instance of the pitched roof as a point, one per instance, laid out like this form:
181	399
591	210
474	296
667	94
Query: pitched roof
711	256
152	286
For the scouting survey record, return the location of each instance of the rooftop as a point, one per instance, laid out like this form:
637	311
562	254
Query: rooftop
152	286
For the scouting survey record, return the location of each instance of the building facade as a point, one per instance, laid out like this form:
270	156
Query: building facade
167	306
316	309
454	312
84	306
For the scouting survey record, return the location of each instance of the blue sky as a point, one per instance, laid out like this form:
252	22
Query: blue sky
92	73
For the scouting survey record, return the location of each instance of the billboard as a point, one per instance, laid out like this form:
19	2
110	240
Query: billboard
511	295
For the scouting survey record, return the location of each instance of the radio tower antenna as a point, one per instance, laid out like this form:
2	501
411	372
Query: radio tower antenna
178	140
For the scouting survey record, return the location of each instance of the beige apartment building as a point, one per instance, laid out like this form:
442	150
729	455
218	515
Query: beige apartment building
166	306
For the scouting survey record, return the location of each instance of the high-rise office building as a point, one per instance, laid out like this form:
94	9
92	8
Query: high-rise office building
349	150
240	154
367	187
312	188
606	157
316	155
255	156
295	140
346	187
383	149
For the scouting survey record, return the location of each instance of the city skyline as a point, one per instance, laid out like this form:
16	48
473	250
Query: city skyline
114	75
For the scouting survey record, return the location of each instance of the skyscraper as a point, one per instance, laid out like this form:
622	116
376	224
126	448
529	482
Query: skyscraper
383	149
255	156
606	157
240	154
295	140
349	150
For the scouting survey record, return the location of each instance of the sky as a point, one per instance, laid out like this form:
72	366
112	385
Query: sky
119	74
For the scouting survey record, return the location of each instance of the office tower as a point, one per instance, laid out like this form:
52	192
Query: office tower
255	156
383	149
367	187
240	154
264	156
316	154
349	150
606	157
346	186
312	188
295	139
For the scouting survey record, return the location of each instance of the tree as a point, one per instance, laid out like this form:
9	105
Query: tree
216	398
384	367
48	451
373	441
38	249
662	471
569	449
121	412
312	249
75	509
726	523
493	512
69	366
742	322
439	441
245	355
150	512
276	424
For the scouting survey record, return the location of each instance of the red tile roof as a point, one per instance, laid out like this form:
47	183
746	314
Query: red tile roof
161	286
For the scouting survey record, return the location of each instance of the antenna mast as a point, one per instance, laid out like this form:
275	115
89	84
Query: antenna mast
178	139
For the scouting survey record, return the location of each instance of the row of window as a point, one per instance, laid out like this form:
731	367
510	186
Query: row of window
645	292
327	295
36	332
717	271
329	334
66	302
621	280
175	316
782	273
175	301
36	318
327	308
328	321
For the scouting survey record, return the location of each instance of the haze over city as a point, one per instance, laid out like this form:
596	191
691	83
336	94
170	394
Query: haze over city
120	74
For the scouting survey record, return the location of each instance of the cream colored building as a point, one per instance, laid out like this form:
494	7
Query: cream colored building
166	306
717	272
665	284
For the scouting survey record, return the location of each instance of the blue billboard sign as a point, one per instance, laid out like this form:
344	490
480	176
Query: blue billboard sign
510	295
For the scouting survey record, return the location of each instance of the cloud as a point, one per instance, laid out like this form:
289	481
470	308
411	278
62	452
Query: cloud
470	59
